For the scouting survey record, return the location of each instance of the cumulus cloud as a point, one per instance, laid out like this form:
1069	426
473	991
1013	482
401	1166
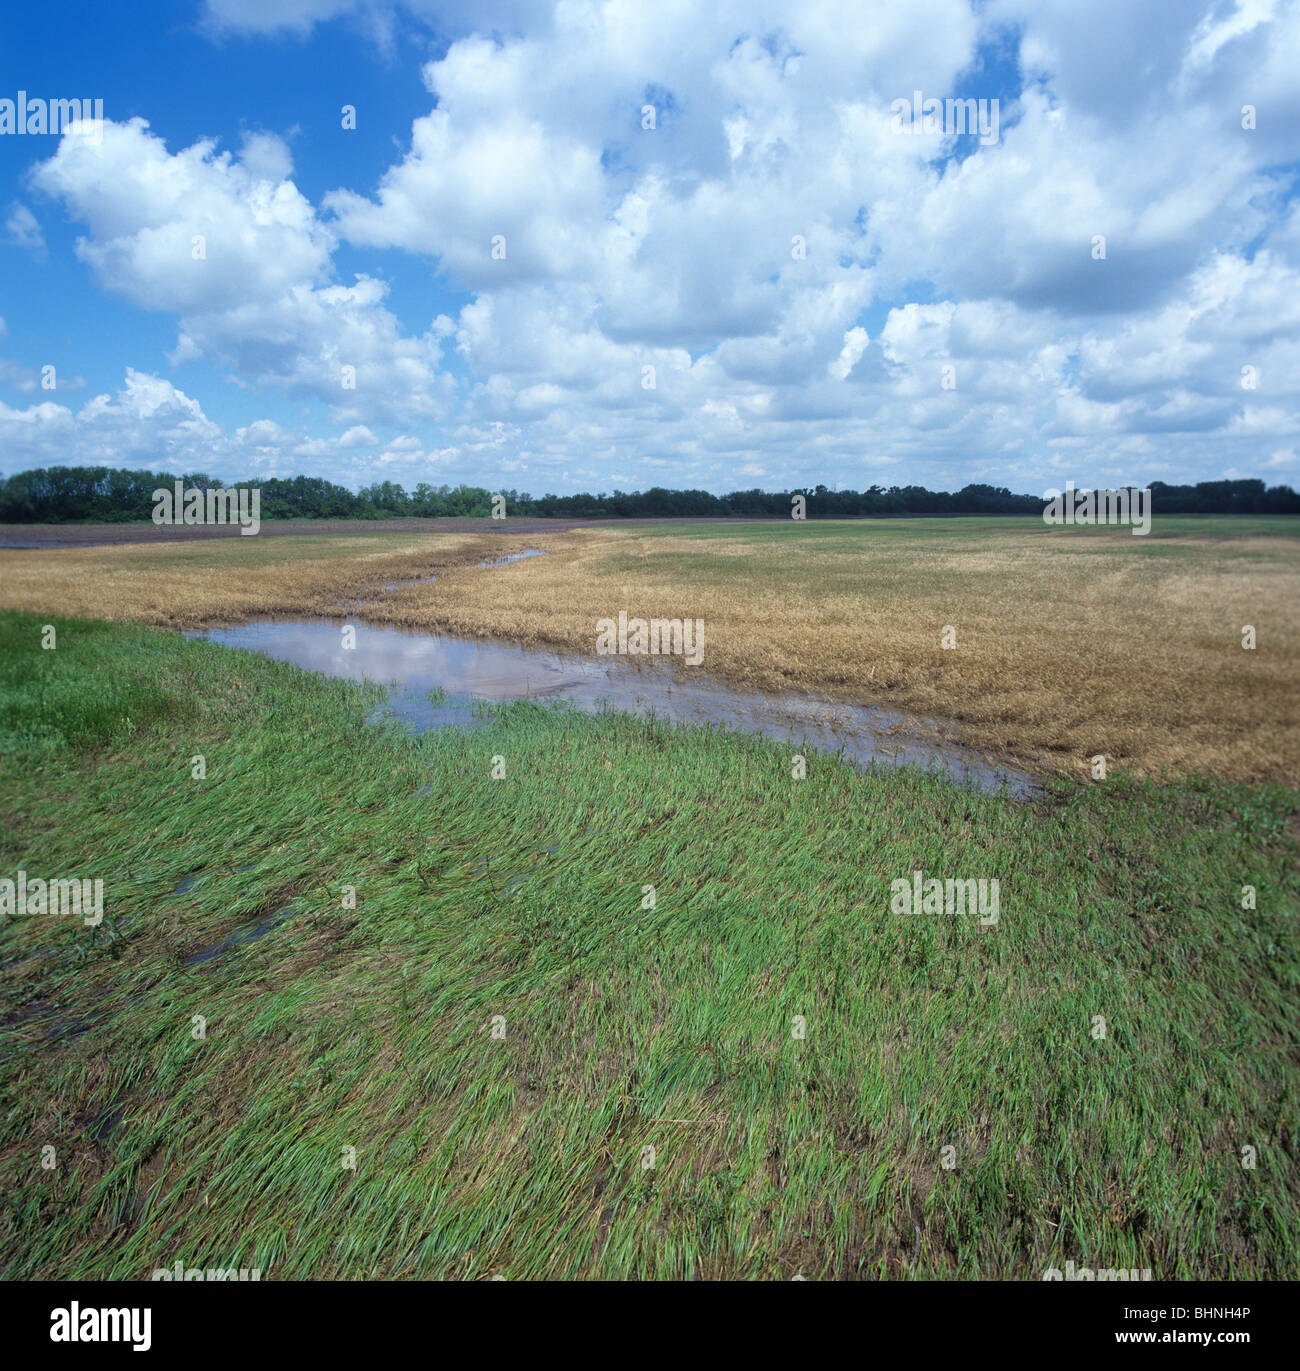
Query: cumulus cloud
266	157
677	226
23	230
239	255
737	250
150	423
855	344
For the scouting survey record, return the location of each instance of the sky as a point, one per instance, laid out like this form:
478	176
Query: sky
598	246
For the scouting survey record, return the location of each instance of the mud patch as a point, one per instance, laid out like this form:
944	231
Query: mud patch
238	939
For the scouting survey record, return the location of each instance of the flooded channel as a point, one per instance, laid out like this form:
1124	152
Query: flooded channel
464	671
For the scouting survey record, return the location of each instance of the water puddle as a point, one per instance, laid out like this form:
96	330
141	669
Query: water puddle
245	935
495	561
439	681
57	1022
513	557
101	1125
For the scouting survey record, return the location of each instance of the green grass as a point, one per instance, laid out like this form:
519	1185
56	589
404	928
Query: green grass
832	535
625	1027
72	700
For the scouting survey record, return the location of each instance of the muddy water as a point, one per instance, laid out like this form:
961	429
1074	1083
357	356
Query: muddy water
496	561
238	939
513	557
414	663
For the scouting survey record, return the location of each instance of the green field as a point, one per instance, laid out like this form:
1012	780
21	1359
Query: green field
848	533
625	1028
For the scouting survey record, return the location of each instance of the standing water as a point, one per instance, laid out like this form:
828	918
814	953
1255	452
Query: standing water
464	669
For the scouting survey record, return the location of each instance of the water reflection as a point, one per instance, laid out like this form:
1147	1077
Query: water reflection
415	663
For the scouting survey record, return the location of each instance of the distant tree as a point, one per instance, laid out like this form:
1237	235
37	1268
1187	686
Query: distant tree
61	494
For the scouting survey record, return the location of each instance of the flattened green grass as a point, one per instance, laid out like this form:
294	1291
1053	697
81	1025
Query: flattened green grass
520	901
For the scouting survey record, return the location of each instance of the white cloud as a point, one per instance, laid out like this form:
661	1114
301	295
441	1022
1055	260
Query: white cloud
245	264
358	436
24	231
149	423
690	303
855	344
266	157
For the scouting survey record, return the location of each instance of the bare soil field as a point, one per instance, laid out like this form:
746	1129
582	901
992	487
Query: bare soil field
95	535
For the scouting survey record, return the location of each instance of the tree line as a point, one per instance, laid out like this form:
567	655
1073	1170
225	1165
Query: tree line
111	495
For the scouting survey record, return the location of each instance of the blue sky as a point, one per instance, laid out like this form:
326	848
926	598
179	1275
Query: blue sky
719	263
